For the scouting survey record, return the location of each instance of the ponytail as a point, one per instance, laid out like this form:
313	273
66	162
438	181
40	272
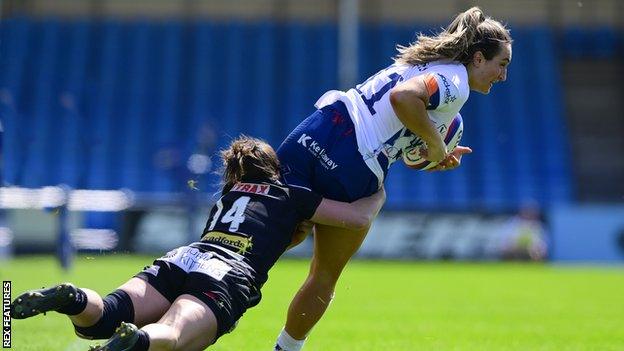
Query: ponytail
248	158
469	32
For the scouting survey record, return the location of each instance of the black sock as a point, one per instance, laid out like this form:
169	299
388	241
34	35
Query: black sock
142	343
76	306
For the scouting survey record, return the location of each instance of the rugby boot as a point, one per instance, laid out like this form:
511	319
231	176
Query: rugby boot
124	338
34	302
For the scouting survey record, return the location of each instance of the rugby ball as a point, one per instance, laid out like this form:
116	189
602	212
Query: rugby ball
451	132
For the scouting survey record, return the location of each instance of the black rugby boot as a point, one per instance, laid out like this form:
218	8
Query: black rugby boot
34	302
124	338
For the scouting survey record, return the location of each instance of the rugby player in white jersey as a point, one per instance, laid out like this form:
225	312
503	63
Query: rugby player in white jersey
343	151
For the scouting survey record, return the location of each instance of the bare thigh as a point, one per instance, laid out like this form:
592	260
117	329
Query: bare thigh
149	304
193	321
333	247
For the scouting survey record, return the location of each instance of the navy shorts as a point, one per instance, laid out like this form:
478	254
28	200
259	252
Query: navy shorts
215	280
322	154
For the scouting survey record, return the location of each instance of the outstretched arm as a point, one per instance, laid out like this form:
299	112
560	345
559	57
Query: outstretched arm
356	215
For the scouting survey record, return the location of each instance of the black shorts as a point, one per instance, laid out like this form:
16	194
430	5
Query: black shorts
223	284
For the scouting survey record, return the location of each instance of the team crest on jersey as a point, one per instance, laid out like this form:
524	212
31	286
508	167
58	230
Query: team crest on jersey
262	189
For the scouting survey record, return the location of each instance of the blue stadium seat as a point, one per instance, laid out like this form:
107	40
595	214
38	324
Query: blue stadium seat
133	162
297	56
262	79
73	145
14	34
107	62
550	126
166	117
581	42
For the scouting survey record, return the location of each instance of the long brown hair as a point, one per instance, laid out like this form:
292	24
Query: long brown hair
469	32
248	158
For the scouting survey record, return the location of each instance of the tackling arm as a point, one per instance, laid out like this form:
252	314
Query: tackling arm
356	215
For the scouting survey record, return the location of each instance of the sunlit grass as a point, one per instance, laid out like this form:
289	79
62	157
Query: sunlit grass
384	306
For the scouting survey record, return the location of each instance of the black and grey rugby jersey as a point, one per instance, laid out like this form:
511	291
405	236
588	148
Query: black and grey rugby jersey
256	221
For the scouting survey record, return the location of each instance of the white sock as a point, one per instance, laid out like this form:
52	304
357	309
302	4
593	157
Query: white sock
285	342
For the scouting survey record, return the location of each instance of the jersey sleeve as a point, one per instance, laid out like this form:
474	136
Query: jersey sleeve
305	201
442	91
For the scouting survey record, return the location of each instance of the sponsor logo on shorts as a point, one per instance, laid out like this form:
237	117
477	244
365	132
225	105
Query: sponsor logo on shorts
319	152
6	314
252	188
241	243
191	259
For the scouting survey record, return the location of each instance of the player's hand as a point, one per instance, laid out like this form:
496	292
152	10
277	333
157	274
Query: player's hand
453	160
435	152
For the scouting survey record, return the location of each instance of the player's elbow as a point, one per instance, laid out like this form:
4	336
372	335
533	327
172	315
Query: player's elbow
398	97
403	98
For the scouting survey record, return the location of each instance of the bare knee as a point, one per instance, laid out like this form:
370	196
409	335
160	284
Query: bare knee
322	286
324	280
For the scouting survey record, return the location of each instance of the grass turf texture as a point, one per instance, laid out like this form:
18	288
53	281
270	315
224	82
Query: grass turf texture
383	306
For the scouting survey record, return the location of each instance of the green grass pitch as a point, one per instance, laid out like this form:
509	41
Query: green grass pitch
383	306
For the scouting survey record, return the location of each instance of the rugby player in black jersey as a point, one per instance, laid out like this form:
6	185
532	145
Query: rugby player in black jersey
194	294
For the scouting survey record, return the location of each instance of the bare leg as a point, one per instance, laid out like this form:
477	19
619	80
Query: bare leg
188	325
92	313
333	247
149	305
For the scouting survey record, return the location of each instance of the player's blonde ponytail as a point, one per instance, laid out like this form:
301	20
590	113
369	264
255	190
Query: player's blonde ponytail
248	158
469	32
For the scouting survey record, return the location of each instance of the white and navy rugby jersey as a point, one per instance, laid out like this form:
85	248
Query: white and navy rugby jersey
255	220
378	129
